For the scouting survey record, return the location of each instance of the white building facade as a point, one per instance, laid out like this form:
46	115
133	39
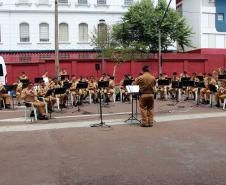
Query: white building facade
208	21
29	24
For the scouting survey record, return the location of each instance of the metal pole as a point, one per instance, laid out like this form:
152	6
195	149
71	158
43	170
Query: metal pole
159	29
160	53
56	41
102	61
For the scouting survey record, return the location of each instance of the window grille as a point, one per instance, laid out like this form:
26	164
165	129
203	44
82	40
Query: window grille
24	32
83	32
44	32
101	2
63	32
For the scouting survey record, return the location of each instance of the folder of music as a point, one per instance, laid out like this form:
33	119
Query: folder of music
132	88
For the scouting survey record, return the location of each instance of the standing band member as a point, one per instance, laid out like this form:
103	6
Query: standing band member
146	83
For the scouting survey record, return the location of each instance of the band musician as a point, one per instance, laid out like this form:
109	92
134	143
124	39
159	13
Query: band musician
146	84
50	100
92	87
5	96
30	95
23	76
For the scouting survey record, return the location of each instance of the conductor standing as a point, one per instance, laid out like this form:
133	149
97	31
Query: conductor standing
146	84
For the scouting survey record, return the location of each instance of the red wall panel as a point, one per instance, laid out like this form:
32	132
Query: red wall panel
199	61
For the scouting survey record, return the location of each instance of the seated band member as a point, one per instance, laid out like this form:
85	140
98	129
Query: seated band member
49	99
73	90
160	88
125	94
23	76
19	89
92	87
173	91
221	94
6	97
45	77
111	88
82	93
193	90
30	95
205	92
146	83
63	72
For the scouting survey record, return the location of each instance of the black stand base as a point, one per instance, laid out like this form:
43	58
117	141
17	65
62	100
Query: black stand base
101	124
132	117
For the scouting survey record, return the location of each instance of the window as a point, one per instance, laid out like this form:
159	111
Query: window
44	32
101	2
83	2
102	33
43	2
83	32
63	32
220	17
22	1
128	2
63	1
24	32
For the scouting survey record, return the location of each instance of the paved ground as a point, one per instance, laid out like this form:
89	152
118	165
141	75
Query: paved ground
186	146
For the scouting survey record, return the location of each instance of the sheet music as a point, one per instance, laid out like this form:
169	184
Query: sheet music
132	88
46	80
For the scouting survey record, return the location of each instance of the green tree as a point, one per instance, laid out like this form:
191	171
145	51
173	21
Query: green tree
140	25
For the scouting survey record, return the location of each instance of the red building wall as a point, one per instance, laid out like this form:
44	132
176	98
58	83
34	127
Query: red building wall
83	64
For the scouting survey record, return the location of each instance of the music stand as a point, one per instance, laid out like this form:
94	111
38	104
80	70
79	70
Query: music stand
188	83
200	85
163	82
48	94
185	79
127	82
60	90
201	78
133	90
213	90
177	85
24	81
101	84
221	77
67	85
38	80
80	85
64	77
25	85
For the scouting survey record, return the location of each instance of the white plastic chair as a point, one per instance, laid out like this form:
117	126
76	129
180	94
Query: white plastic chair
224	105
29	107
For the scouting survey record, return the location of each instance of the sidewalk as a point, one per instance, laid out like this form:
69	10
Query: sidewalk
113	114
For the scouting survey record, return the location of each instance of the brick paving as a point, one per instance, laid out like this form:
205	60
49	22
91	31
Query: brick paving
183	152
